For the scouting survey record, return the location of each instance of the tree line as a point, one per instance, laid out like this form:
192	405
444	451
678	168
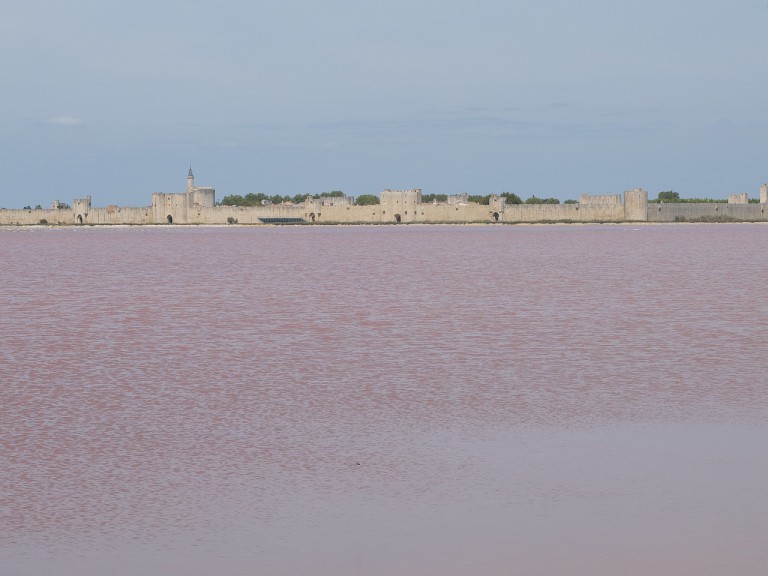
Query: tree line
671	196
510	198
261	199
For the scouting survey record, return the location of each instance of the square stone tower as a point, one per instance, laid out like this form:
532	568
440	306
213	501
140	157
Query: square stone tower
636	205
400	205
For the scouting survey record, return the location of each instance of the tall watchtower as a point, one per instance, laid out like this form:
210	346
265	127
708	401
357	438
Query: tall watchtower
199	196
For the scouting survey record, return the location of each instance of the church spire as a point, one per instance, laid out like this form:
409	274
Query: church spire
190	180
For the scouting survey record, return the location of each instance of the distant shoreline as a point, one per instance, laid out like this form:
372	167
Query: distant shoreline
169	227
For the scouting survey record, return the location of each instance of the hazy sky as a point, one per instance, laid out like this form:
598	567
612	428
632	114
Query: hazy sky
116	98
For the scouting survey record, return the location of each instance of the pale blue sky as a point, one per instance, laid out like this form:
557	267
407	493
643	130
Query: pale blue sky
549	97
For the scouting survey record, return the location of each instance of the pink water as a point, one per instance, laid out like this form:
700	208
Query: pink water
384	401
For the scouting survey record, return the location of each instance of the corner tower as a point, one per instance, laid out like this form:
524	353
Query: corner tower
636	205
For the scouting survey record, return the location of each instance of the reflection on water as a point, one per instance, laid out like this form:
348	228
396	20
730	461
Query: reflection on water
384	400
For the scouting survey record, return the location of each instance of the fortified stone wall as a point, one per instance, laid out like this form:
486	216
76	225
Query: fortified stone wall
454	213
316	212
28	217
423	213
408	212
71	216
197	206
243	214
118	215
175	206
470	213
559	212
682	211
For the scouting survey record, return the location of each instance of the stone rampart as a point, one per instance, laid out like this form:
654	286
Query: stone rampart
197	206
70	216
563	212
18	217
245	214
453	213
685	211
119	215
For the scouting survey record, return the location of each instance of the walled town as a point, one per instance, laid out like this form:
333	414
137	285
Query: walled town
198	206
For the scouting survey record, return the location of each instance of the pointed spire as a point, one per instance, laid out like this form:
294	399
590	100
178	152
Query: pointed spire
190	180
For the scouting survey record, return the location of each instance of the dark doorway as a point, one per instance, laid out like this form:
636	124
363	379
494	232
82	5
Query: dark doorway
169	219
397	218
495	216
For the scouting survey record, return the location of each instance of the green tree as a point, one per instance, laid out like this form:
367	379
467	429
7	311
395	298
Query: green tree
669	196
536	200
255	199
332	194
366	200
484	200
233	200
511	198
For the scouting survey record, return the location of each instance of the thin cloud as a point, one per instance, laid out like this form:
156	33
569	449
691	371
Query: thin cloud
64	121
